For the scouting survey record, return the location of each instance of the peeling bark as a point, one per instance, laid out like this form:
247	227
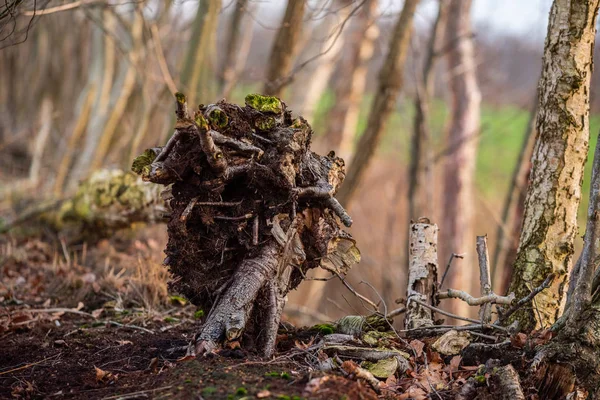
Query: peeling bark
550	220
422	273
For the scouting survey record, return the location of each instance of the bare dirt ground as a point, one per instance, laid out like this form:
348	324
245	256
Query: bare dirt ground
71	329
100	323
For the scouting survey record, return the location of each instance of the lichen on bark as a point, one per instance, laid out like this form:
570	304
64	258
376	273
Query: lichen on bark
550	219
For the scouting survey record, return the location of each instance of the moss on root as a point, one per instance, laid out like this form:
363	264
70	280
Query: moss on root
143	160
266	104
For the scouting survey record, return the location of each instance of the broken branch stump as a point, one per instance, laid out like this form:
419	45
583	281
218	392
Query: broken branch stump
422	273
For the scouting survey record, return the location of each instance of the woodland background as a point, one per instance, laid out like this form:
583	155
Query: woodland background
89	86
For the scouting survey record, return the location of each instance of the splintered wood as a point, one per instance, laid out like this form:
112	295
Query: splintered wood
422	273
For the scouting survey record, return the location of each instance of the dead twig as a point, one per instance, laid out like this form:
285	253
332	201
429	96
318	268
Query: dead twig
28	365
546	284
354	292
485	312
491	298
452	257
448	314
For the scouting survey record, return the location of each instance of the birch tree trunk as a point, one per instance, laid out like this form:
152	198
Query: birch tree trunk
388	88
550	221
457	232
420	192
284	48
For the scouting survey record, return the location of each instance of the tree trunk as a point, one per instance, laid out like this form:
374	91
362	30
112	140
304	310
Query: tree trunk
420	178
457	232
571	358
284	48
197	72
550	221
351	81
325	43
389	86
507	235
231	60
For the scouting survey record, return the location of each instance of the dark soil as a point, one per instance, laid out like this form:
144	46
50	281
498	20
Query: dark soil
50	361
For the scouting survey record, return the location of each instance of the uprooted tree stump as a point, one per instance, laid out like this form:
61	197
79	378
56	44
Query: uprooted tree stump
252	210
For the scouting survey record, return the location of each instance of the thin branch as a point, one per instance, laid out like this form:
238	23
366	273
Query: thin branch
452	257
546	284
162	63
491	298
354	292
448	314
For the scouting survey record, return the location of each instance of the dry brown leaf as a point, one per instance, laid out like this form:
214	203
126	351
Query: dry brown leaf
263	394
414	393
418	346
454	365
518	340
124	342
97	313
104	376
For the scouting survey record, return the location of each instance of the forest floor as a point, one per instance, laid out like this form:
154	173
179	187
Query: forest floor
99	323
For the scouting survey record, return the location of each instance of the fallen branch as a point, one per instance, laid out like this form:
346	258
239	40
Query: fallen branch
448	314
477	301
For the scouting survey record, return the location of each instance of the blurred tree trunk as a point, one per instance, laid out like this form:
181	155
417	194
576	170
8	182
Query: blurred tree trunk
550	220
388	88
351	80
197	76
238	31
507	235
284	48
92	116
420	179
326	43
457	232
123	94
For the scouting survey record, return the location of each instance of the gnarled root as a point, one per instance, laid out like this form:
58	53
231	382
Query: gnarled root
231	313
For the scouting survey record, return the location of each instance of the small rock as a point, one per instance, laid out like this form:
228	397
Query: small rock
452	342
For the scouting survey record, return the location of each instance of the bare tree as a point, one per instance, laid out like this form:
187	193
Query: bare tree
420	188
550	221
284	48
353	66
389	85
457	232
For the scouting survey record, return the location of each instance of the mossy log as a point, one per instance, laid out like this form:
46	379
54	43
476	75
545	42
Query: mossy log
253	209
108	201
